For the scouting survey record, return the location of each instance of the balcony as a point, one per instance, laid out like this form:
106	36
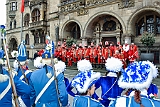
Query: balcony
12	14
37	24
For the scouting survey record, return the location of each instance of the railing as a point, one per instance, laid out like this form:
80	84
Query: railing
38	23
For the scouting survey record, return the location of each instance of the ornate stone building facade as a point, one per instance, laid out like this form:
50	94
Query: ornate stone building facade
85	20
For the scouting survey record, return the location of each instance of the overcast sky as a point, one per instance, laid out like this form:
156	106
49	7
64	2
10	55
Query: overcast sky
2	12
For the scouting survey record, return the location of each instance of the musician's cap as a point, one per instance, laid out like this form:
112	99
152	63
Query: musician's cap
22	53
84	65
84	80
138	75
113	65
46	57
38	62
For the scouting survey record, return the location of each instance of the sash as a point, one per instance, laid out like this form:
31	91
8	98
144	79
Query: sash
5	91
27	71
44	89
21	103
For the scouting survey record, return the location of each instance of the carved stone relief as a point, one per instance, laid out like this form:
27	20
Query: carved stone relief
126	4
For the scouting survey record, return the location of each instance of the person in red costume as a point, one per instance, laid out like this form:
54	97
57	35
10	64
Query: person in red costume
86	52
41	52
63	53
126	51
93	55
112	49
99	54
133	53
69	56
106	51
74	56
80	52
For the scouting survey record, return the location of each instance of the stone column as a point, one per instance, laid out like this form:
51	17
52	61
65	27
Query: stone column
84	41
118	38
127	38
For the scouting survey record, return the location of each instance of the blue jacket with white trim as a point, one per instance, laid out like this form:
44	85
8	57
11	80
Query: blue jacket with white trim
21	88
49	98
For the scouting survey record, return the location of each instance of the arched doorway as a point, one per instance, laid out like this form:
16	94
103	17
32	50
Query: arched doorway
12	45
72	30
103	28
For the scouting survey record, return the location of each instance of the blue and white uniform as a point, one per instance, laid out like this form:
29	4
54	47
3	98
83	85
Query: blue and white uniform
50	97
109	83
130	102
85	101
110	89
21	88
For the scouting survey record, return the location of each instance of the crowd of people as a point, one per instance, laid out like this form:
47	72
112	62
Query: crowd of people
96	54
122	86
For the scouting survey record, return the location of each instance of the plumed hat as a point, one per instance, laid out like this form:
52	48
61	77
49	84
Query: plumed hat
84	65
138	75
113	64
84	80
38	62
60	66
22	54
46	55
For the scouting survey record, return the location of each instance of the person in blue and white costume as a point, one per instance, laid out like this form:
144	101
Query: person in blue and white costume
43	86
138	77
38	62
84	82
61	67
6	89
109	83
22	58
83	66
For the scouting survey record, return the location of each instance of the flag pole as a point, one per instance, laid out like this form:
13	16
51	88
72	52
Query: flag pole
10	74
21	26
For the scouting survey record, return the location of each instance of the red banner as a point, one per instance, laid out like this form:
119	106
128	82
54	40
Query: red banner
22	6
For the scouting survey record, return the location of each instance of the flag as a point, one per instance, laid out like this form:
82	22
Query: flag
22	6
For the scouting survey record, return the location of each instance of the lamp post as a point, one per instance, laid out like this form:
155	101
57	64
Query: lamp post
32	46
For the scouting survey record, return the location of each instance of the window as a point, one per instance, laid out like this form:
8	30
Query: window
109	26
36	38
35	15
14	23
149	23
10	24
26	3
27	39
13	6
42	37
26	20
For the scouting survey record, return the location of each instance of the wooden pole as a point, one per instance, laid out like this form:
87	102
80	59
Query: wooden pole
10	75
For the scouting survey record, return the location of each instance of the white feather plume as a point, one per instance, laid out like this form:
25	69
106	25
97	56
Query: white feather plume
153	68
3	78
60	66
38	62
14	54
15	64
113	64
84	65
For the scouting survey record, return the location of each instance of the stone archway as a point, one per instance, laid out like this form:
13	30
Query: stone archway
103	27
72	30
12	45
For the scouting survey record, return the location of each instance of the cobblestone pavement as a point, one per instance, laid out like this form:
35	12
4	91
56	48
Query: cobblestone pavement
71	72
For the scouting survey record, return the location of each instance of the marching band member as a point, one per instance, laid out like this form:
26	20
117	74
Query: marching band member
69	56
43	87
5	84
22	72
93	55
111	47
138	77
109	83
100	57
74	56
106	51
82	66
133	53
63	53
125	51
83	82
86	52
80	52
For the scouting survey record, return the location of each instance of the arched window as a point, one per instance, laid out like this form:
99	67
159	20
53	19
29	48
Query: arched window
109	26
10	24
42	37
36	37
27	39
149	23
14	23
26	19
35	15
